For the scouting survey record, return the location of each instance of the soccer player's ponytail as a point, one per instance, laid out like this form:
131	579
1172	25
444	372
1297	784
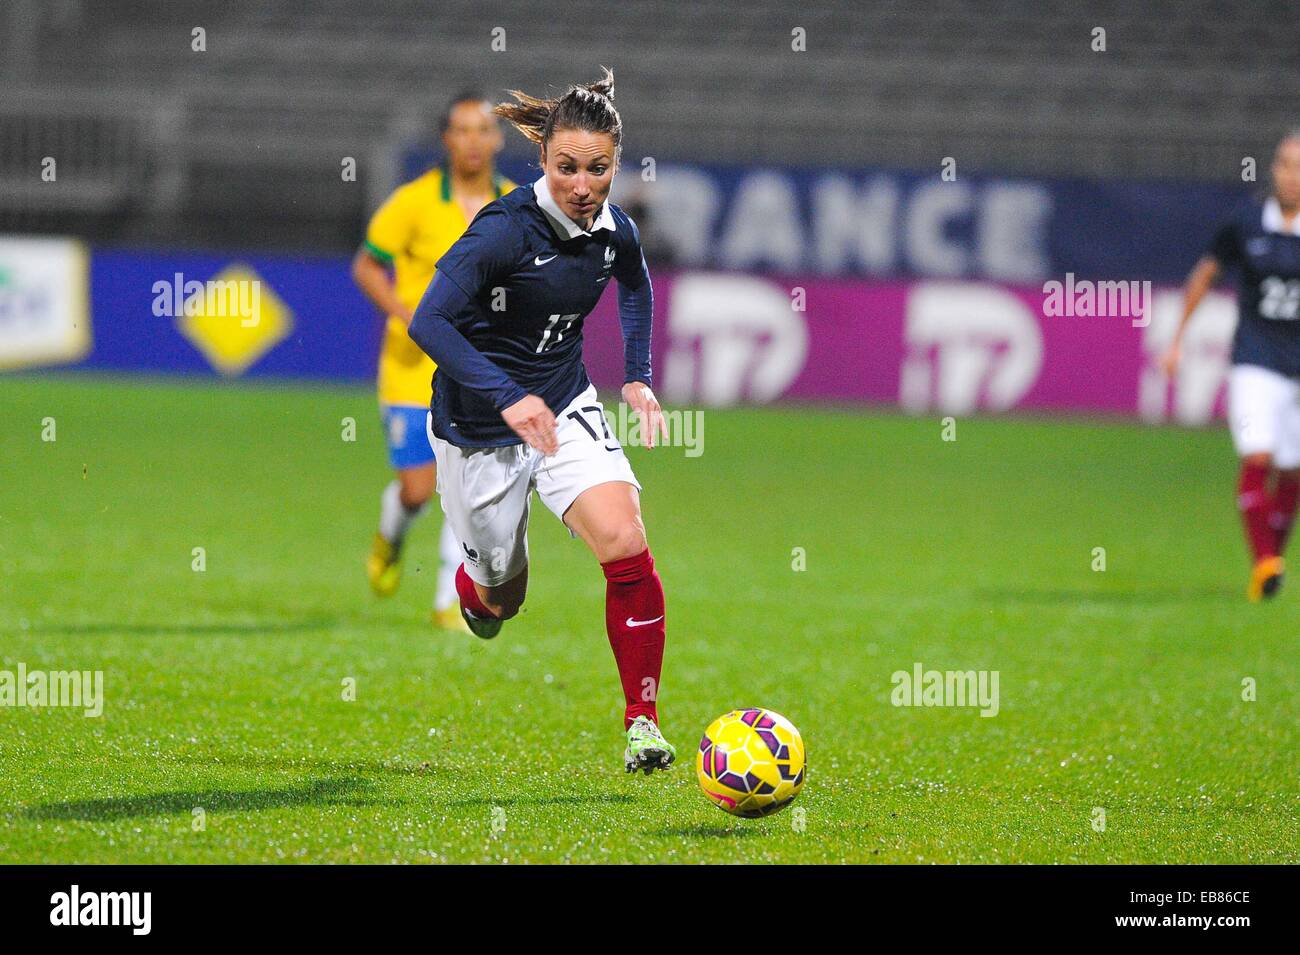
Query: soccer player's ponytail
589	108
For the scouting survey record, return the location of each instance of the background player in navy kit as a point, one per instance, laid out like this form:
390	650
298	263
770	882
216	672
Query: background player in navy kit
1262	242
513	409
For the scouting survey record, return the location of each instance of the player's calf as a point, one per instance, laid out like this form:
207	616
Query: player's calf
398	511
1286	494
485	613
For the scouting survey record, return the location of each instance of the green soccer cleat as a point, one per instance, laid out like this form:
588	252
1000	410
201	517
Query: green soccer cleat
647	750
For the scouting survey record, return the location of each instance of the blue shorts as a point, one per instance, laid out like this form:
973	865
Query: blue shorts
408	440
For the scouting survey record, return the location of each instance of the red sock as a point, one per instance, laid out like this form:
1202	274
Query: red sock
634	620
1255	503
1282	515
469	598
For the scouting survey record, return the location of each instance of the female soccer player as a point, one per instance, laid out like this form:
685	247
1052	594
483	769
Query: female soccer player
513	409
1262	241
408	234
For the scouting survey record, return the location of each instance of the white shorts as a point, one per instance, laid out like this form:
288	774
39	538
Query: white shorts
1264	414
486	492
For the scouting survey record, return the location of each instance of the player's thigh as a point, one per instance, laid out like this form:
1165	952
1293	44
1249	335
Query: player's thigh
608	519
1257	403
485	495
1287	455
588	483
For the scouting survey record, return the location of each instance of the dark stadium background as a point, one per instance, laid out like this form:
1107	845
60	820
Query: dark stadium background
950	141
852	213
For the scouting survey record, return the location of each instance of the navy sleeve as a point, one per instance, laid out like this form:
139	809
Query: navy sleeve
488	250
1226	245
432	330
485	253
635	308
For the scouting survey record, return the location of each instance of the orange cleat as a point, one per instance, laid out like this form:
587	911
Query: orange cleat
1265	579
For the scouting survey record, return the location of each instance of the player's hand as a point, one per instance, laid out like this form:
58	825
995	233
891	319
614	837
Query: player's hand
643	401
533	422
1170	359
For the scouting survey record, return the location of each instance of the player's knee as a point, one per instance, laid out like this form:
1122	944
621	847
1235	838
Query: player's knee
411	499
506	607
1260	460
505	601
626	539
415	490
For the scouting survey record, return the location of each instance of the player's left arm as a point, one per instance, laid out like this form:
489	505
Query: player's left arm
636	315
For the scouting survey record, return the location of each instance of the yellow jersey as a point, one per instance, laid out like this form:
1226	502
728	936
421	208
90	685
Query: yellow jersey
411	231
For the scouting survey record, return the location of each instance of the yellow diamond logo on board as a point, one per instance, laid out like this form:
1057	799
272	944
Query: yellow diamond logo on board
234	319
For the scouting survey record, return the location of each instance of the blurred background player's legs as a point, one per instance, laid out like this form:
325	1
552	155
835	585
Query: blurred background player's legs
403	500
1286	493
1255	500
1286	464
1262	413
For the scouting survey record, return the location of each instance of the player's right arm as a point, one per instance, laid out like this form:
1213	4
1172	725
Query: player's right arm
1199	281
376	282
485	253
388	233
1224	251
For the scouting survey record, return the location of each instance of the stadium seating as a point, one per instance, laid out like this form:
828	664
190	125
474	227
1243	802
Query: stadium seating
243	141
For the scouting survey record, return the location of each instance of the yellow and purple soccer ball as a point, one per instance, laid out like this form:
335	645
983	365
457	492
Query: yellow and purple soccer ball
751	762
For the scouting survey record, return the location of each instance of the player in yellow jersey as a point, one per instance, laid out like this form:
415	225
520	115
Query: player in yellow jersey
405	238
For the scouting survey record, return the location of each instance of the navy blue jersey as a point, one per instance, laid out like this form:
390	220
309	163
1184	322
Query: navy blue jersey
504	313
1268	293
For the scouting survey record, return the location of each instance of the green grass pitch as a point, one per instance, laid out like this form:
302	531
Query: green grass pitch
1119	690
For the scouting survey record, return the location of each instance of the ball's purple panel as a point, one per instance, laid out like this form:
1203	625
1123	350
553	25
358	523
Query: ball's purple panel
734	781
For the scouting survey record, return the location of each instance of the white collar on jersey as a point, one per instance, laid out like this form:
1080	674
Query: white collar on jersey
565	227
1273	219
